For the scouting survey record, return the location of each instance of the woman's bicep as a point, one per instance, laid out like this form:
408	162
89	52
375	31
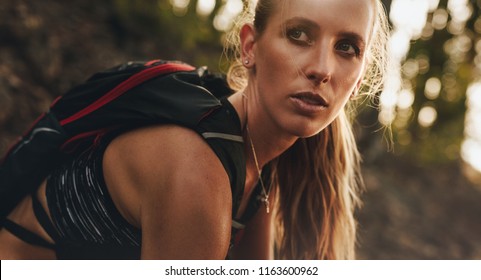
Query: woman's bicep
183	227
185	209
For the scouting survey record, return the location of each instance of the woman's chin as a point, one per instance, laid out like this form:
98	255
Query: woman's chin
307	130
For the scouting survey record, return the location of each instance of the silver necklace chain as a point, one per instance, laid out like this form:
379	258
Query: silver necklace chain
265	193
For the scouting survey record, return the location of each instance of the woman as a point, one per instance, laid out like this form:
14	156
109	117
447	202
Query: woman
299	64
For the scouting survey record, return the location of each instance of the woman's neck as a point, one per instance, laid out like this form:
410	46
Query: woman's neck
262	142
268	141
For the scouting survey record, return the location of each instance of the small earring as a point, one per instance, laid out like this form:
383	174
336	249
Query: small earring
246	62
353	94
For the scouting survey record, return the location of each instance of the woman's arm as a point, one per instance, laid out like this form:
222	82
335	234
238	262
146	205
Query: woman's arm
184	198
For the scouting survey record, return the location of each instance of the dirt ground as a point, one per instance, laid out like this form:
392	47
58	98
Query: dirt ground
419	212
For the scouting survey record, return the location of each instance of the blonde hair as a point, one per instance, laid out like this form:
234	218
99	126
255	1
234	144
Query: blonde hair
318	178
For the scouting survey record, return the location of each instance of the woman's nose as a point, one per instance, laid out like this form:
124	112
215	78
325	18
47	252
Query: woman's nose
319	67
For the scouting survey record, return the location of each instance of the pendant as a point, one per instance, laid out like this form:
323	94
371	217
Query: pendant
266	203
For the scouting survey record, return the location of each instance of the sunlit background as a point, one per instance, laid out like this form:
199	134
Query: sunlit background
411	20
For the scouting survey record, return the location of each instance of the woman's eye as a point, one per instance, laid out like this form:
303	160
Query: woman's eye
348	48
299	36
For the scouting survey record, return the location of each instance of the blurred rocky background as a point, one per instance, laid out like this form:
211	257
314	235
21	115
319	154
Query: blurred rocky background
423	190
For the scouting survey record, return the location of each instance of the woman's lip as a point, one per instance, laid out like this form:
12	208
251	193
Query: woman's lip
311	98
309	103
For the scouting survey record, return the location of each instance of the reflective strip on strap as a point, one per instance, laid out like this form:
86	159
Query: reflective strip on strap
33	134
230	137
237	225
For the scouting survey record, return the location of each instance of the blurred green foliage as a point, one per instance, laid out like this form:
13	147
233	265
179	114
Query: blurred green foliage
446	53
184	34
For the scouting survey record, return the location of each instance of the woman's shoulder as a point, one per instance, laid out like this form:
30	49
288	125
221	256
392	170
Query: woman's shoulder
159	161
171	184
163	150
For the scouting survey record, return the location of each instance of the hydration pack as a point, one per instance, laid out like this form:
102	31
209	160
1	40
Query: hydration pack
125	97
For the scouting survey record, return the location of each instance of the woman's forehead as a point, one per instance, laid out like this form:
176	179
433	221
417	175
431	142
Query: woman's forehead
347	15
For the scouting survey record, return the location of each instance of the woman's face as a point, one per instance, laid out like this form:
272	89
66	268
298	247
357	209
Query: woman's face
309	60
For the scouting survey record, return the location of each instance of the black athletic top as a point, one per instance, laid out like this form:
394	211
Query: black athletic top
83	212
85	222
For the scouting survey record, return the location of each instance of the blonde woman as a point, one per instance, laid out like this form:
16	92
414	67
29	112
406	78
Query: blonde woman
170	196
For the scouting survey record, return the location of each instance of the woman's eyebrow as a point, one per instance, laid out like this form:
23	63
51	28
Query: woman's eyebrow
354	36
301	20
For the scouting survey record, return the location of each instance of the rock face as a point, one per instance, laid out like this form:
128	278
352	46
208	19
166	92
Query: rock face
45	48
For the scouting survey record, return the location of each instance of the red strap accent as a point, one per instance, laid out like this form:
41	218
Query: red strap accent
151	62
131	82
70	145
55	101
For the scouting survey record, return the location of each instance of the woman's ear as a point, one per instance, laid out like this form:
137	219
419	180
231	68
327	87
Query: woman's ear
247	37
358	86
